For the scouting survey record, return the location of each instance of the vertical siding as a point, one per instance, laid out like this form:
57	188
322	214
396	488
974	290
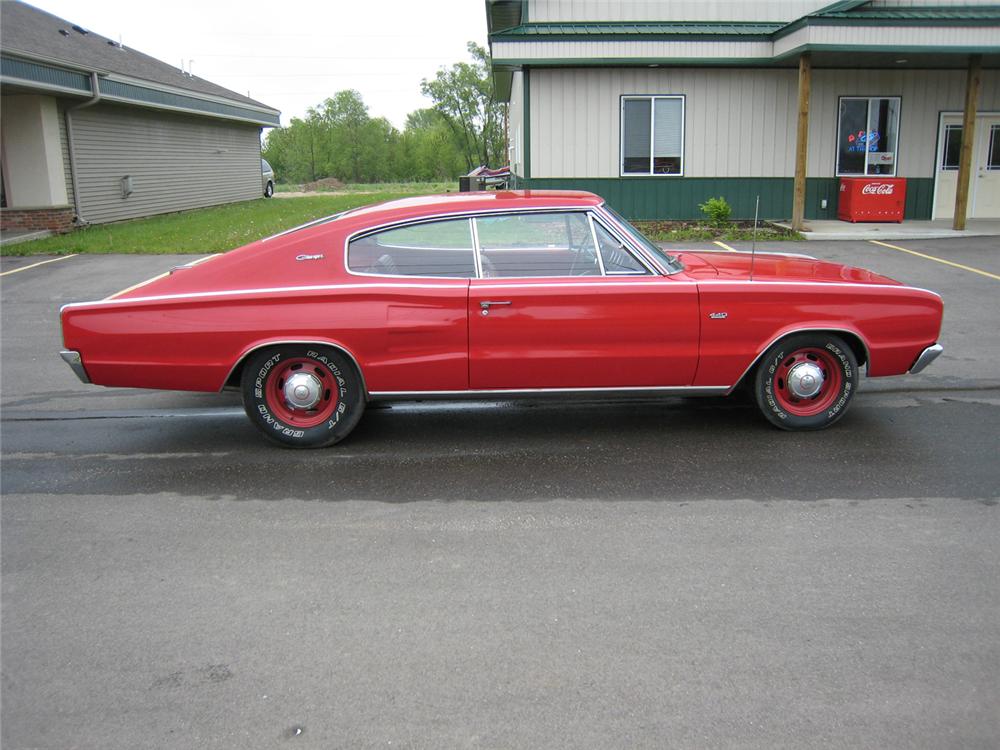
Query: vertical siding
64	146
737	122
672	10
924	94
176	162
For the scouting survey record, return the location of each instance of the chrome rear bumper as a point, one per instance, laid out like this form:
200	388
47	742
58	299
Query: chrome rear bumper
75	363
927	356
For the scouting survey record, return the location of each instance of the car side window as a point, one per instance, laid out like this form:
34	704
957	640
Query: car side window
537	244
618	261
436	249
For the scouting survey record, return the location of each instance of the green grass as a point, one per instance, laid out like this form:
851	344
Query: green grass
418	188
206	230
686	231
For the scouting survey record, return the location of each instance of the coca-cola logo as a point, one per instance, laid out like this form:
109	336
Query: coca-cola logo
878	188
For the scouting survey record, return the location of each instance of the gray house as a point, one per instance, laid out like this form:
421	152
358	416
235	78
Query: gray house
92	131
659	105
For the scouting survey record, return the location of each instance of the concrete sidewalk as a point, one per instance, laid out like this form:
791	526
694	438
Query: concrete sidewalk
907	230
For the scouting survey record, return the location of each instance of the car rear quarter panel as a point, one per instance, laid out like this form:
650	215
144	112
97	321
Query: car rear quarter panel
404	336
895	323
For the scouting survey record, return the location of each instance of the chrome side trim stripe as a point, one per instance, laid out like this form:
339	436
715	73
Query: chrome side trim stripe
501	393
493	284
246	292
927	356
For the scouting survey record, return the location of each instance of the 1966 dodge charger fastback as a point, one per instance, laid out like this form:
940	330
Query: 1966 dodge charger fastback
498	295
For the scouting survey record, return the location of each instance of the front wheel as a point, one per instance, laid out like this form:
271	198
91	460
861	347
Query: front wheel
302	396
806	381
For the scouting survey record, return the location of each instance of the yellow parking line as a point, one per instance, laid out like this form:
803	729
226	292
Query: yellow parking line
939	260
160	276
724	246
39	263
136	286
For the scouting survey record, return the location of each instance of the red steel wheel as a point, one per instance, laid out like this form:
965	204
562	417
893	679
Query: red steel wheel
806	381
302	396
302	393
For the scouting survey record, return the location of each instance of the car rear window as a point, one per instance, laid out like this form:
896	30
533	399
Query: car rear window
436	249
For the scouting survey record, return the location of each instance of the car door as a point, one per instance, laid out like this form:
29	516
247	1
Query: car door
410	327
562	302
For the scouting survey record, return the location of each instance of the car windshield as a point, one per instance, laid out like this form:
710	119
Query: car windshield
672	263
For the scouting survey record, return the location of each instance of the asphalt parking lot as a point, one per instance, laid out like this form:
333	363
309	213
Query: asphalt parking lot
501	575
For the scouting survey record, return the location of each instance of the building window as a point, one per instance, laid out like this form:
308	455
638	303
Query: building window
866	136
652	135
993	156
952	147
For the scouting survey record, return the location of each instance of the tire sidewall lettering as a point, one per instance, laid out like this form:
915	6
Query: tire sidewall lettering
256	384
768	375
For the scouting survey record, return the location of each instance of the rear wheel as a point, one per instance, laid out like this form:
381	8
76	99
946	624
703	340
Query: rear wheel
302	396
269	189
806	381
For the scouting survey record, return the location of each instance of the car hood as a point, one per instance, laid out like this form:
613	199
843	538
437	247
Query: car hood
727	266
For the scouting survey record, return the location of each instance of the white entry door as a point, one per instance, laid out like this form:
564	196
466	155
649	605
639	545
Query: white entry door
984	188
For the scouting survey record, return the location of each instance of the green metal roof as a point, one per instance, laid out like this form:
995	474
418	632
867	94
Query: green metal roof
633	29
925	13
846	13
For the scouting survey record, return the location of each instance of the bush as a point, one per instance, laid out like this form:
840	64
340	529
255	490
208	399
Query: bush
717	211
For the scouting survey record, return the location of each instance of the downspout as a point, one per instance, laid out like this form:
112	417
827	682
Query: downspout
95	90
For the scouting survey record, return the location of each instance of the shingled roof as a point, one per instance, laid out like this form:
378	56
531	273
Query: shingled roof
37	34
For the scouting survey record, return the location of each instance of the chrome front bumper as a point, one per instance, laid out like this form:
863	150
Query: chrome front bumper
927	356
75	363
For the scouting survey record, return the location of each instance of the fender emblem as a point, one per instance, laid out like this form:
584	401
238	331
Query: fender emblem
718	316
309	257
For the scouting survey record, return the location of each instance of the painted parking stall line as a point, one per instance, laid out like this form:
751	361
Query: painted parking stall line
160	276
40	263
724	246
938	260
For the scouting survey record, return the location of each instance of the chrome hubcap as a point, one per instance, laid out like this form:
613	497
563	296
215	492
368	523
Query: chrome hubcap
303	390
805	380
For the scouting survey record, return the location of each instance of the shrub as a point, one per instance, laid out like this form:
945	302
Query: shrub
717	211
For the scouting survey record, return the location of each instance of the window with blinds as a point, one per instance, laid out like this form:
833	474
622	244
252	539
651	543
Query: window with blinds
652	135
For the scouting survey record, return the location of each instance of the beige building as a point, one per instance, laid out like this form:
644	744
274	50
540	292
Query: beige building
660	105
92	132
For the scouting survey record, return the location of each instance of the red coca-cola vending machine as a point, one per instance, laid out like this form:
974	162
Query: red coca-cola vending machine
871	199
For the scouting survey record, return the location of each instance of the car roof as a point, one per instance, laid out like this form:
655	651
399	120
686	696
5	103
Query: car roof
486	200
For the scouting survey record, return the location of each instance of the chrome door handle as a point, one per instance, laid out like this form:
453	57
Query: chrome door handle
486	304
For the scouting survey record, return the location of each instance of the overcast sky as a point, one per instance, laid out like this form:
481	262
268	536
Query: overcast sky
292	54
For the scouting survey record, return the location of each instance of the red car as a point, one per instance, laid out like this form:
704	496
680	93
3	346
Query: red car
500	294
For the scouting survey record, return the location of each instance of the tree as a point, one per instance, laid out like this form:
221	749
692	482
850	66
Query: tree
429	150
339	138
463	95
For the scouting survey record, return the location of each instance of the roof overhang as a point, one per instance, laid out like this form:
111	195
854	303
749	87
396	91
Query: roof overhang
22	72
839	36
502	15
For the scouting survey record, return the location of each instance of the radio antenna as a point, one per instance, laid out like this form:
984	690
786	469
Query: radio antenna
753	247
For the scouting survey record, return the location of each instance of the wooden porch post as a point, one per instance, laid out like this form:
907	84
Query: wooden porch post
968	140
801	143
